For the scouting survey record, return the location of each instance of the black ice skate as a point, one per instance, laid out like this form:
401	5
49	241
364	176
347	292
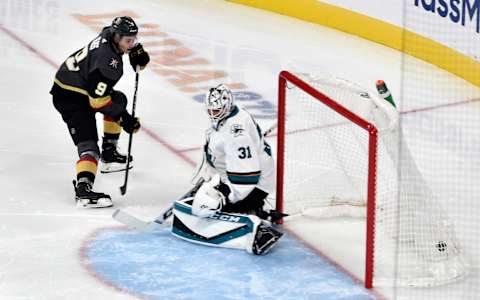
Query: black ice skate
113	161
265	238
86	198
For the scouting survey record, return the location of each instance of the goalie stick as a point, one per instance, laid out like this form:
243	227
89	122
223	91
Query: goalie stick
270	129
140	225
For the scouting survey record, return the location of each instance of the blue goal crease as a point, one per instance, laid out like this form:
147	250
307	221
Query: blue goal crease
158	265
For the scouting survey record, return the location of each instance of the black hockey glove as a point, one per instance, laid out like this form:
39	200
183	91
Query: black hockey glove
129	123
271	215
275	216
138	57
224	189
249	204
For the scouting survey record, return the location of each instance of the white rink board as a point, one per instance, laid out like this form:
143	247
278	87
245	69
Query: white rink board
454	24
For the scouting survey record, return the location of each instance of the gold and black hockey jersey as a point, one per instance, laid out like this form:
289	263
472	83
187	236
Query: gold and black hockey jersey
93	71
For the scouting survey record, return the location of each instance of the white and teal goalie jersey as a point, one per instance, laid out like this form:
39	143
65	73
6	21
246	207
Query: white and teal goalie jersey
236	149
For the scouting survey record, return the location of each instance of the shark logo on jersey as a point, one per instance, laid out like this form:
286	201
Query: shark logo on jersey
236	130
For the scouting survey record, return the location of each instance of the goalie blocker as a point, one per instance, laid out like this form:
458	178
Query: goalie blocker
228	230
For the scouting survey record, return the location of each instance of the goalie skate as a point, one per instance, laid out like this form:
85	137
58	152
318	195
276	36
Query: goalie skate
86	198
265	238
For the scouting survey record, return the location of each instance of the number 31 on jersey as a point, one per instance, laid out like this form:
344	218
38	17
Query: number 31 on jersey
244	152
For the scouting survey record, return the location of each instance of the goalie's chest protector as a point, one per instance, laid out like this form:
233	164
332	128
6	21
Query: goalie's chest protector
237	150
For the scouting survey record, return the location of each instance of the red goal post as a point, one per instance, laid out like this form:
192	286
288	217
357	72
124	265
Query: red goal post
285	77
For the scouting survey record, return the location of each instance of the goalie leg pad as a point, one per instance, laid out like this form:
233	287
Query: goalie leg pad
219	230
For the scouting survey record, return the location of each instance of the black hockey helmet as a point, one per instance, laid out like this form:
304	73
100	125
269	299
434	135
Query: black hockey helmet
124	26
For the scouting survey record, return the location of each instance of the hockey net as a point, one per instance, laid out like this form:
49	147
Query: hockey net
339	151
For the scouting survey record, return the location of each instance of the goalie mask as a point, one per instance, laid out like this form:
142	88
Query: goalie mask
219	103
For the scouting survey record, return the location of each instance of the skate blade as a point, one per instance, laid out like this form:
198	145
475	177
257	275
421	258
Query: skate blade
101	203
114	167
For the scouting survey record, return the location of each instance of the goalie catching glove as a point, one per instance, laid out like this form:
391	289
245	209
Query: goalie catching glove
208	200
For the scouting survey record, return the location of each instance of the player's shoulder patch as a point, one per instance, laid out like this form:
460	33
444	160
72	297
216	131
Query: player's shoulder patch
110	64
236	129
114	62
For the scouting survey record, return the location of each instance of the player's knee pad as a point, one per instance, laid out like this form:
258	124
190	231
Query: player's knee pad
88	148
119	98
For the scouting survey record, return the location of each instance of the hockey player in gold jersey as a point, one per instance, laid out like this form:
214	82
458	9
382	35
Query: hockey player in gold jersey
83	86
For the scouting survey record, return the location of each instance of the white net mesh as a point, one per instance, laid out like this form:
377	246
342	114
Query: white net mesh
326	175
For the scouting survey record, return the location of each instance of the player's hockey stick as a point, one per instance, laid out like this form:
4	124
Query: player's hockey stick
123	188
140	225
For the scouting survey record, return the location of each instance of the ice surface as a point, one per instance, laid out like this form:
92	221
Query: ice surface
159	266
